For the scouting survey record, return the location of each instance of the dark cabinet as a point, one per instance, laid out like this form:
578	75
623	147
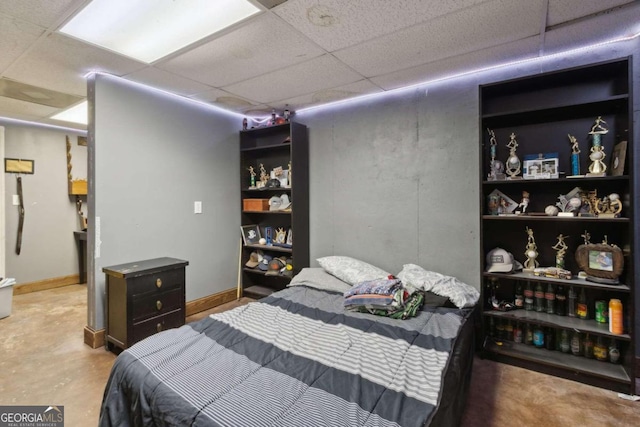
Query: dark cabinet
143	298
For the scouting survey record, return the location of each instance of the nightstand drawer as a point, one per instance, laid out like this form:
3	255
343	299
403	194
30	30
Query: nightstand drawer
156	304
158	282
156	324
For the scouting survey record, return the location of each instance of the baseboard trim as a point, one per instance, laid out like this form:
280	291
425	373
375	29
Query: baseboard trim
93	338
41	285
210	301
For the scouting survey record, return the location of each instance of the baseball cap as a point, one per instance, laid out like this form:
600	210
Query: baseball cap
254	259
501	261
264	264
274	267
285	203
274	203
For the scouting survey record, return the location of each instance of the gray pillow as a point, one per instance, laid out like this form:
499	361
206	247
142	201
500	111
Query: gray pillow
351	270
319	279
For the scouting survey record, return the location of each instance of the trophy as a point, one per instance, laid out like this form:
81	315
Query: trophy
522	207
609	206
575	157
513	162
496	167
597	166
561	249
263	176
531	252
252	178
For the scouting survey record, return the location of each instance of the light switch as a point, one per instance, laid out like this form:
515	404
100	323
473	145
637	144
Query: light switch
16	200
197	207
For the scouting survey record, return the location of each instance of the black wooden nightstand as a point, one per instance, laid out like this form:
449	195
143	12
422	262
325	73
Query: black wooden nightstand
143	298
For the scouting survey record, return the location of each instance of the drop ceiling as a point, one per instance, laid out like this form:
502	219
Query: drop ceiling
300	52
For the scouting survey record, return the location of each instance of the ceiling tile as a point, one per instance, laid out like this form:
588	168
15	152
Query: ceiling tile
488	24
60	63
225	99
319	73
164	80
600	28
515	51
567	10
41	12
263	44
336	24
15	39
324	96
23	110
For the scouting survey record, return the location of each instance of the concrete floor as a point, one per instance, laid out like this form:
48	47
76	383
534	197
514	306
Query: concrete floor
43	361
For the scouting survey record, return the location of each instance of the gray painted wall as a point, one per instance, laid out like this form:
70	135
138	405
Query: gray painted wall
48	245
151	155
395	180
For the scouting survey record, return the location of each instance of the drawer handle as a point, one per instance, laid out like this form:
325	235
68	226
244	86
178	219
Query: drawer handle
159	305
159	327
159	282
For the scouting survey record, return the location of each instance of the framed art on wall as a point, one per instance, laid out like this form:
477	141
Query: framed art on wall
618	156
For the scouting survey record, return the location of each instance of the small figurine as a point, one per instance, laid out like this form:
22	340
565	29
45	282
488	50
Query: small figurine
513	162
597	166
531	251
587	237
252	179
575	156
561	248
522	207
245	123
286	114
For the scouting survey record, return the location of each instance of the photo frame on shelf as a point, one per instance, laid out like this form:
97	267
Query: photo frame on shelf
618	157
540	166
250	234
603	263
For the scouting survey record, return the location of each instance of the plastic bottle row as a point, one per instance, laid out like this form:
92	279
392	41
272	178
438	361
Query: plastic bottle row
563	340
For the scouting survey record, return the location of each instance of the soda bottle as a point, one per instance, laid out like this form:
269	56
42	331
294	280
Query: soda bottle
561	301
571	302
508	331
576	345
538	336
550	296
528	297
549	339
565	344
614	353
583	308
519	296
600	350
539	298
500	330
528	336
492	327
588	347
517	333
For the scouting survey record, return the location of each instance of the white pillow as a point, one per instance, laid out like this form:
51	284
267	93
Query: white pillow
319	279
351	270
461	294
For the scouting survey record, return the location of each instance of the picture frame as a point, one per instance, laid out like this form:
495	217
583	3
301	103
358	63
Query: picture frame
618	157
19	166
250	234
603	263
540	166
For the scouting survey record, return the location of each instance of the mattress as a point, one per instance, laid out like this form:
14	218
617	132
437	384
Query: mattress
297	358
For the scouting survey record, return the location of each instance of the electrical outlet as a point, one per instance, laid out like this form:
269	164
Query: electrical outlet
16	200
197	207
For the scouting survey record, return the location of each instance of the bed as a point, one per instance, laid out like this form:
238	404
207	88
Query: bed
298	358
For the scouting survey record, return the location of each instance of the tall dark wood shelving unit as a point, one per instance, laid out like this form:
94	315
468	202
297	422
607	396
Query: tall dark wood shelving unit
542	110
276	146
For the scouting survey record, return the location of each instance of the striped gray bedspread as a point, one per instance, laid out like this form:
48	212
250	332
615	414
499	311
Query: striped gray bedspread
295	358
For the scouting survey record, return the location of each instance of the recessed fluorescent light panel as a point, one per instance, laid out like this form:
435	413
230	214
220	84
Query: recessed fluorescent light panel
76	114
148	30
